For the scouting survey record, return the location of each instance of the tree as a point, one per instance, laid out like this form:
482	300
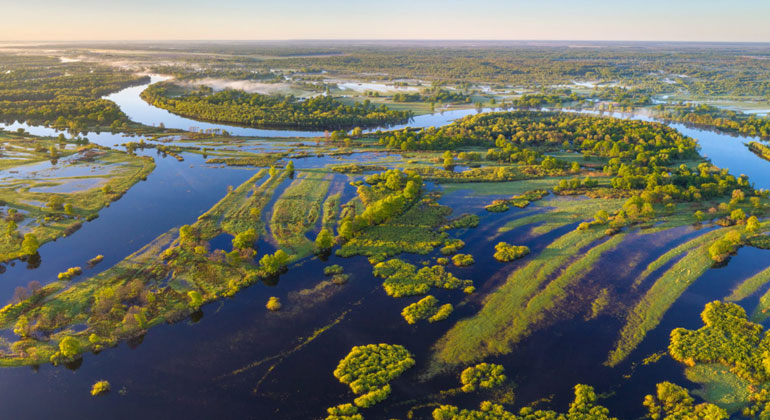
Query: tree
69	347
55	202
324	241
412	190
346	229
738	215
21	328
752	224
290	168
273	264
186	235
602	217
245	239
29	245
672	402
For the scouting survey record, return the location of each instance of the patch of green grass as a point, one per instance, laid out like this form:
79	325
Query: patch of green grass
720	386
749	286
296	212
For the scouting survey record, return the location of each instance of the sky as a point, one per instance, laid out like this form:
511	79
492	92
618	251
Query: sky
622	20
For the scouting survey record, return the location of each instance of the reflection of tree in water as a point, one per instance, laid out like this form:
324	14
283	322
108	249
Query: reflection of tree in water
134	342
75	364
196	316
33	261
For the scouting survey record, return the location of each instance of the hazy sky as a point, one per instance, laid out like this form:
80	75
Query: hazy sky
680	20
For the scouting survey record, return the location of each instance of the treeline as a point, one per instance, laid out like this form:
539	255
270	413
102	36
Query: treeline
41	90
722	119
701	71
270	111
434	95
510	131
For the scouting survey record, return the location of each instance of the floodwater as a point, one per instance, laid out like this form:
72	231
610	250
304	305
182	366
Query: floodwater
209	366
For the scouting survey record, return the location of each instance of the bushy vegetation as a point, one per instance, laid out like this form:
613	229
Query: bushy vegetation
483	376
727	337
426	308
403	279
462	260
505	252
583	407
672	402
100	388
344	412
369	369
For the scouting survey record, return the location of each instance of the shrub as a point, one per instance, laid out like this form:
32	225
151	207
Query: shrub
422	309
369	369
273	304
462	260
245	240
483	375
442	313
275	263
506	252
324	241
100	388
70	273
333	269
344	412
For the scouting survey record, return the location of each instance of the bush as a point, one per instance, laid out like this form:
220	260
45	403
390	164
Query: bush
324	241
273	304
275	263
245	240
344	412
422	309
442	313
70	273
100	388
483	375
506	252
463	260
333	269
369	369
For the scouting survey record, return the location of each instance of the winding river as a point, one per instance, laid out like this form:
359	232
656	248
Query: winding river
210	367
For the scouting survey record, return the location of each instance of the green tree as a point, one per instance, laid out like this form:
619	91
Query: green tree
245	240
29	245
324	241
273	264
346	229
752	224
69	347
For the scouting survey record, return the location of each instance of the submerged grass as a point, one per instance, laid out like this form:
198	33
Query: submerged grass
509	311
648	312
